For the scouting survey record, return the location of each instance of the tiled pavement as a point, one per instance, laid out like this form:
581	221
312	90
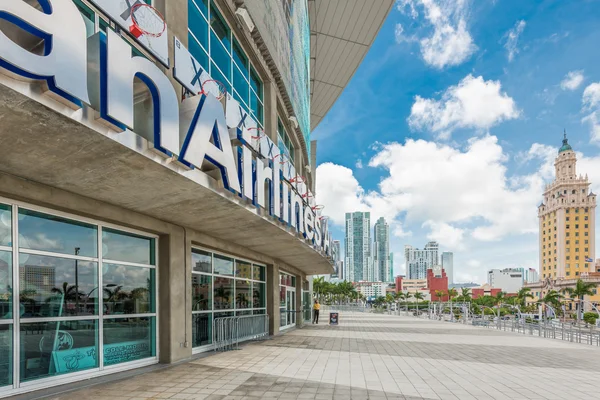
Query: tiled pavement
372	356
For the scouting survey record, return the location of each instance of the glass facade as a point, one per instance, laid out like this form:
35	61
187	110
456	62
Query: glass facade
87	296
214	46
284	142
223	286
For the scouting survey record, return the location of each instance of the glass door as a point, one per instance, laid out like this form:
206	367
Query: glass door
291	307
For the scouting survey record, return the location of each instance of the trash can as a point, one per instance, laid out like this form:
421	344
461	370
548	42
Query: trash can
334	318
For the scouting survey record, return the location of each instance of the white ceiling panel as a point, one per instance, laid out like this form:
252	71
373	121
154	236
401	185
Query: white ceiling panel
341	33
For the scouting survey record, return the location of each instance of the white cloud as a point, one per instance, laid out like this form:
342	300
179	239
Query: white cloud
512	39
441	188
591	105
450	42
473	103
401	37
359	164
572	80
447	234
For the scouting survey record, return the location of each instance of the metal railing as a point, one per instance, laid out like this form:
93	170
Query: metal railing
343	307
228	332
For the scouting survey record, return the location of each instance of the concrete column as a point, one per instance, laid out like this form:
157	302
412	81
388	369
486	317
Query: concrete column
270	111
174	298
299	308
273	298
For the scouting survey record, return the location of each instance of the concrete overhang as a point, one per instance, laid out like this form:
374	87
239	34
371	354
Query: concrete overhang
342	31
70	151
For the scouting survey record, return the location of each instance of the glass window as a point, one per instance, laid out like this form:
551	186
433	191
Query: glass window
57	287
45	232
127	289
201	329
220	28
224	293
5	225
243	269
6	355
240	59
243	294
202	292
201	4
198	53
256	83
223	314
240	84
201	261
128	247
129	339
259	295
58	347
259	272
6	285
197	23
89	18
223	265
218	75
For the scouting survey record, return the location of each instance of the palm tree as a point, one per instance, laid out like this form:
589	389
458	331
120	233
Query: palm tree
552	298
466	295
440	294
523	295
452	293
578	292
389	299
418	296
318	284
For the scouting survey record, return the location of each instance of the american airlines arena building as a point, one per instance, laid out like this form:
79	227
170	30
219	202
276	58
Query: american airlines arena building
157	176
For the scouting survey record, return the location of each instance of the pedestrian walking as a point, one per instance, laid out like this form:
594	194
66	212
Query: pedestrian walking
316	309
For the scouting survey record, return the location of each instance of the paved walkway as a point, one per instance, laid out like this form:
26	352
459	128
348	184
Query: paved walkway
373	356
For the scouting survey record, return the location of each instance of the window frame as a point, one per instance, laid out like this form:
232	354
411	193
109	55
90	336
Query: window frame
99	317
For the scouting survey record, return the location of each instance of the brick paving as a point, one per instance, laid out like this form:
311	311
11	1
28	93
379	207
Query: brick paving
371	356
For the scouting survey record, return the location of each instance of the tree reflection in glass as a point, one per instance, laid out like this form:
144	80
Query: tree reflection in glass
127	289
201	293
56	287
223	293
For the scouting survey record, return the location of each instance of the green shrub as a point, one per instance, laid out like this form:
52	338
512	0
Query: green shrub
590	318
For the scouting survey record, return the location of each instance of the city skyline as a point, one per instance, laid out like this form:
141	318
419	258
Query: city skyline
461	153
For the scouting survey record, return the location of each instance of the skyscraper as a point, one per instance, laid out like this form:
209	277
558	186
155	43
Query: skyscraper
448	265
358	246
419	261
567	218
381	251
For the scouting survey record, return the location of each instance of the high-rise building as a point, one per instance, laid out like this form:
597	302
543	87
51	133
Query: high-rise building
358	246
567	219
419	261
531	275
510	280
391	278
381	251
448	265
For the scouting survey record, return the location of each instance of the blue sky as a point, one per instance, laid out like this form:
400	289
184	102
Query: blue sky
450	126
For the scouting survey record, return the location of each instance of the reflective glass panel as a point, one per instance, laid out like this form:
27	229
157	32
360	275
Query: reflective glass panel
129	339
5	225
224	293
201	292
256	83
240	84
240	58
201	261
243	269
202	5
282	292
56	348
245	312
57	287
122	246
258	295
127	289
258	272
6	355
196	22
220	56
44	232
223	265
198	52
217	75
6	285
223	314
201	329
258	312
243	293
221	30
